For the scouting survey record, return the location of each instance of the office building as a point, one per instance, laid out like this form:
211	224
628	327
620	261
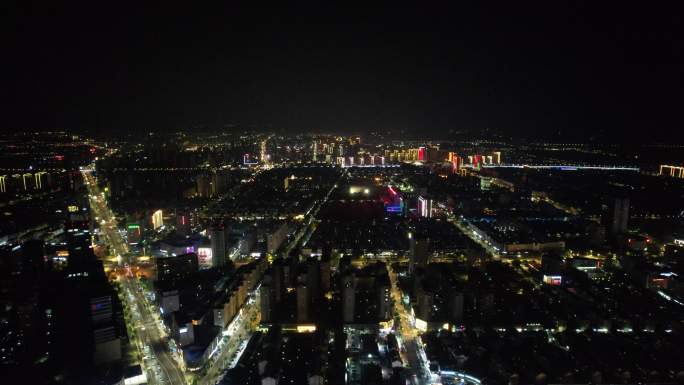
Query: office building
426	300
325	274
279	281
348	297
266	299
33	257
177	268
313	278
303	300
217	234
418	252
620	216
183	226
133	234
457	307
105	334
384	300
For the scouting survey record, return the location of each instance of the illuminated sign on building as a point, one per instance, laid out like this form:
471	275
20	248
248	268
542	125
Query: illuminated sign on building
394	202
204	257
554	280
72	209
134	234
157	219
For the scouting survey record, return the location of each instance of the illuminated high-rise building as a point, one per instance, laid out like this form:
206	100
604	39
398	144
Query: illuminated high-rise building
425	207
25	177
263	152
157	220
40	179
672	171
456	163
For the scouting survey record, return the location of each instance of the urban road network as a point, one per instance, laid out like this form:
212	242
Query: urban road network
163	366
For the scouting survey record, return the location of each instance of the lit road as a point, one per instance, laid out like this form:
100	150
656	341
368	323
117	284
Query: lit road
464	227
236	335
144	322
413	354
148	327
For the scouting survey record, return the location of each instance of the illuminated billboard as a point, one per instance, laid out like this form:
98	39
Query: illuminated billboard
204	257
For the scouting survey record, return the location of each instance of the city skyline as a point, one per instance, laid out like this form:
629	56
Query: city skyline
448	193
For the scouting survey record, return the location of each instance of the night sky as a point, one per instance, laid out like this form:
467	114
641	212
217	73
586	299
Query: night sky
548	70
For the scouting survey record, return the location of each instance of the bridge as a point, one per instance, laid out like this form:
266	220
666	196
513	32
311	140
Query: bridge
564	167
